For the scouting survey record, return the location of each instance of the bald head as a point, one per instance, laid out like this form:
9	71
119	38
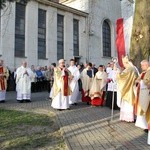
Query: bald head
61	61
145	64
24	64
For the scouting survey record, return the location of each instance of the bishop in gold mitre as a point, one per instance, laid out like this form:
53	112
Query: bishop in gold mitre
126	85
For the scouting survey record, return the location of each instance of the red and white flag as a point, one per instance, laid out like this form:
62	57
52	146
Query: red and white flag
120	41
123	40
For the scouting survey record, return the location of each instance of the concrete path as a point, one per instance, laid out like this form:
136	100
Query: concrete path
85	127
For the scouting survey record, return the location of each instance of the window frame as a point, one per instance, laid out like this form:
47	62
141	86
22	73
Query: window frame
41	33
106	39
20	29
60	36
75	37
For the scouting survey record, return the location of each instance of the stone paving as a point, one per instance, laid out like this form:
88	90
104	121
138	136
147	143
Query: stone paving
86	128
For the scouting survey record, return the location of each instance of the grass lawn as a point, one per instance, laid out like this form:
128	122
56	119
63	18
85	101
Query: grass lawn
26	131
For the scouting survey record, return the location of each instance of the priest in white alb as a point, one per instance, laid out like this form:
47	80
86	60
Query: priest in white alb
61	87
74	82
24	77
142	105
146	81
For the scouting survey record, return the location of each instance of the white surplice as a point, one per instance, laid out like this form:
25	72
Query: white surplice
112	86
74	84
23	83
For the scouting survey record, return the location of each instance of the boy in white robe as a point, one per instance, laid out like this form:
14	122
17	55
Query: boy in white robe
74	83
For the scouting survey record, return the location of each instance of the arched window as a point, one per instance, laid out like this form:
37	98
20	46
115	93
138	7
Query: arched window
106	39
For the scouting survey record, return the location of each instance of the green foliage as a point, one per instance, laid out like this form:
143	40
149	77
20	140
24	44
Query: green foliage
140	41
22	118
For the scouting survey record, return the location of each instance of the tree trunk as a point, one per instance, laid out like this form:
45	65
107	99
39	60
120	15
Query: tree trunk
140	40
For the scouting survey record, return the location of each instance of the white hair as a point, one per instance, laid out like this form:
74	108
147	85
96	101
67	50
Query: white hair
145	61
61	60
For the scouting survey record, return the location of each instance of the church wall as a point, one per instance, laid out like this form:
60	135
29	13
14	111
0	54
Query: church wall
98	10
7	40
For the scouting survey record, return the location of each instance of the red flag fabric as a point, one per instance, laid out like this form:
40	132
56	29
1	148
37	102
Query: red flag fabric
120	41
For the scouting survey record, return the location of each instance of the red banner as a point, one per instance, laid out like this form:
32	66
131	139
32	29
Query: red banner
120	41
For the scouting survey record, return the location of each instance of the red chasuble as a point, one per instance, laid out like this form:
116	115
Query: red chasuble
2	80
66	84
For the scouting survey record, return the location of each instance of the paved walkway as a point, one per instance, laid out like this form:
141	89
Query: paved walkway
85	127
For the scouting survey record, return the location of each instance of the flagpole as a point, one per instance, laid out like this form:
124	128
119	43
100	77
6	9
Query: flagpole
112	109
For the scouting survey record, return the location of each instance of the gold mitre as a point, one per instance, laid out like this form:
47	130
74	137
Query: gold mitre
125	59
